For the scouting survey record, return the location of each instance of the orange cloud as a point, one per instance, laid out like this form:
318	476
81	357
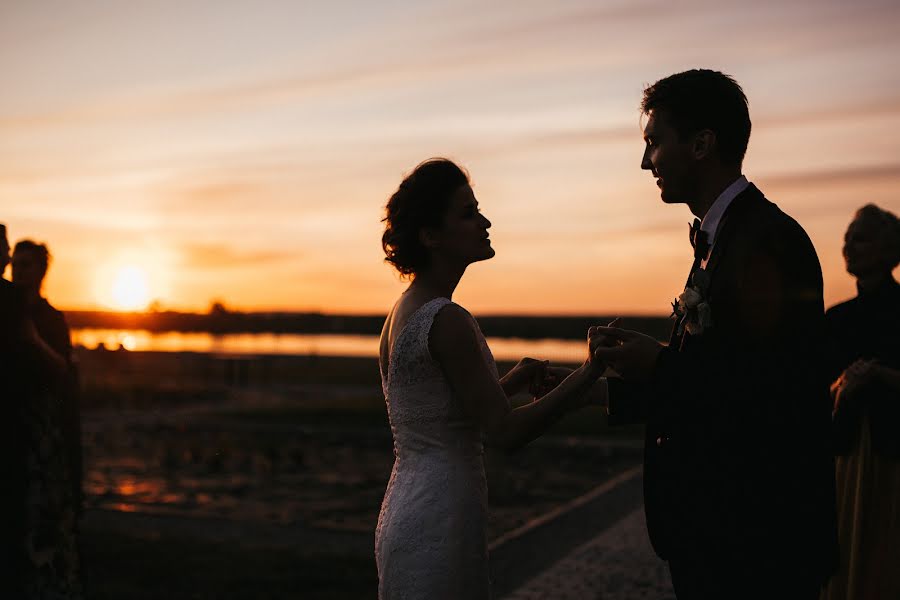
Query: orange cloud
225	256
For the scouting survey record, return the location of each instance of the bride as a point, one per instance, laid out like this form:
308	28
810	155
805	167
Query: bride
444	395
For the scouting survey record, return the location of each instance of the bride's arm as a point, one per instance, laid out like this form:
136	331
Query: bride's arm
526	374
456	346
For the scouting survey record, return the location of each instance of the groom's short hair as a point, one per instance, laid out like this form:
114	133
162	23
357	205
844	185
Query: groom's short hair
704	99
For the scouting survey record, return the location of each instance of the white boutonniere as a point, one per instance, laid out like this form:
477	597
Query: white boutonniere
691	309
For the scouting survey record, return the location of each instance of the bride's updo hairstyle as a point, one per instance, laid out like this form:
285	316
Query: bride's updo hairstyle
421	201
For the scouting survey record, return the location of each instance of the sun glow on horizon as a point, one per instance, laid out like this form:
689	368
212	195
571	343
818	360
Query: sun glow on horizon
130	289
132	279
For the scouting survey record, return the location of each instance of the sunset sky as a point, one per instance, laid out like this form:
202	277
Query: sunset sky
243	151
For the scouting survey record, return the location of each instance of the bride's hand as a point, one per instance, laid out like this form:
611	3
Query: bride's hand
528	373
553	376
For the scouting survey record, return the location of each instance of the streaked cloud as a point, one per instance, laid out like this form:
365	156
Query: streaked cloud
849	175
240	145
226	256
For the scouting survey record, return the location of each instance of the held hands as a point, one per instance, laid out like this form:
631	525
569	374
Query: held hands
538	377
529	373
553	376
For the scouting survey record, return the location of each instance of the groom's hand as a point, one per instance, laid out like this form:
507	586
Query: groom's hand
630	353
596	340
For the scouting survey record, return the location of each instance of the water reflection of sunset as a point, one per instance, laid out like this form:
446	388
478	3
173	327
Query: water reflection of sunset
299	344
134	487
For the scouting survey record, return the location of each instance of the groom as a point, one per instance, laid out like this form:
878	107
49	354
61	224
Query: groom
738	471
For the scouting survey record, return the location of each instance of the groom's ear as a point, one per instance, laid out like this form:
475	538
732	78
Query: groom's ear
704	144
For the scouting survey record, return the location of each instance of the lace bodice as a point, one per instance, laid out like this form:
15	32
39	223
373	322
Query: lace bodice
411	371
430	541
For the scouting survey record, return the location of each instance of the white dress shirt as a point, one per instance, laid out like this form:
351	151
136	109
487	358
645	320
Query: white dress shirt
710	222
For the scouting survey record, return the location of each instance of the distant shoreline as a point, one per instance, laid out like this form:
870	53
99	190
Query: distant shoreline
525	327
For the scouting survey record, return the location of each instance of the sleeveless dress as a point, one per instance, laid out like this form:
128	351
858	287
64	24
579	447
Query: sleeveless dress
431	538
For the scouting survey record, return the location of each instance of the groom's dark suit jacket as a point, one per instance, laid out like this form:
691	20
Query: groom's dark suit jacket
738	463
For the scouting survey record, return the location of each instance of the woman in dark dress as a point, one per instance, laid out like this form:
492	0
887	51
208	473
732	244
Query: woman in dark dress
864	336
52	568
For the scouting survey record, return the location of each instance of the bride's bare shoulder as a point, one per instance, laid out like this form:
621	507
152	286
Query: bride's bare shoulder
452	315
405	307
454	328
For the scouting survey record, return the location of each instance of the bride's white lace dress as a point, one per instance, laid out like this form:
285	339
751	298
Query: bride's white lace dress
431	539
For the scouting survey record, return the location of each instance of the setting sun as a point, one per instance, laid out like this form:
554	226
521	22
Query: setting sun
130	290
133	278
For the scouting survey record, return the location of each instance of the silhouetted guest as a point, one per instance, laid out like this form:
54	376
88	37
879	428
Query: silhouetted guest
865	366
30	262
53	437
12	442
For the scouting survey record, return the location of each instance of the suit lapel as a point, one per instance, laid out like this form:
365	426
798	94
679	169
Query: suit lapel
729	223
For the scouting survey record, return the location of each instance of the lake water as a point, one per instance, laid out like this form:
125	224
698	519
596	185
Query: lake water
299	344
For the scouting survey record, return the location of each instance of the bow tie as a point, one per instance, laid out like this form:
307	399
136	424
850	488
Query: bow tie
699	240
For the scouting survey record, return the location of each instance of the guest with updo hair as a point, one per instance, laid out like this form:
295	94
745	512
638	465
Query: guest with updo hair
864	353
30	262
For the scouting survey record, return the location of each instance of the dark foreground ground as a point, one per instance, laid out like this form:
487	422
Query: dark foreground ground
198	487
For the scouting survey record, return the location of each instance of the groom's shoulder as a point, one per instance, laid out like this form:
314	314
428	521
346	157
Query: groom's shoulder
765	219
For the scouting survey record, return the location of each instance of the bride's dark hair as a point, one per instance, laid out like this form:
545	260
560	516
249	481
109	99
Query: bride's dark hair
421	201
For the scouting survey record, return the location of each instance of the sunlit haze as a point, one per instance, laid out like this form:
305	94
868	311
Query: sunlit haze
129	289
185	152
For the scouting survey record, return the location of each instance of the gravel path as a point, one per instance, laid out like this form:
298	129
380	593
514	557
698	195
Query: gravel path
618	564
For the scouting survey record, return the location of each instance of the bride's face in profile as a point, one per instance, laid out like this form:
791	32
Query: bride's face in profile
463	235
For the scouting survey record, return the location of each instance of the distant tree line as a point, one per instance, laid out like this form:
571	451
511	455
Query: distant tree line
221	320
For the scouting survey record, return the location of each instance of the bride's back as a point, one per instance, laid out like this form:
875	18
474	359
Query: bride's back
430	539
414	385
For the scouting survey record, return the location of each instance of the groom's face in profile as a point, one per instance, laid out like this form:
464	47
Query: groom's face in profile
670	159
